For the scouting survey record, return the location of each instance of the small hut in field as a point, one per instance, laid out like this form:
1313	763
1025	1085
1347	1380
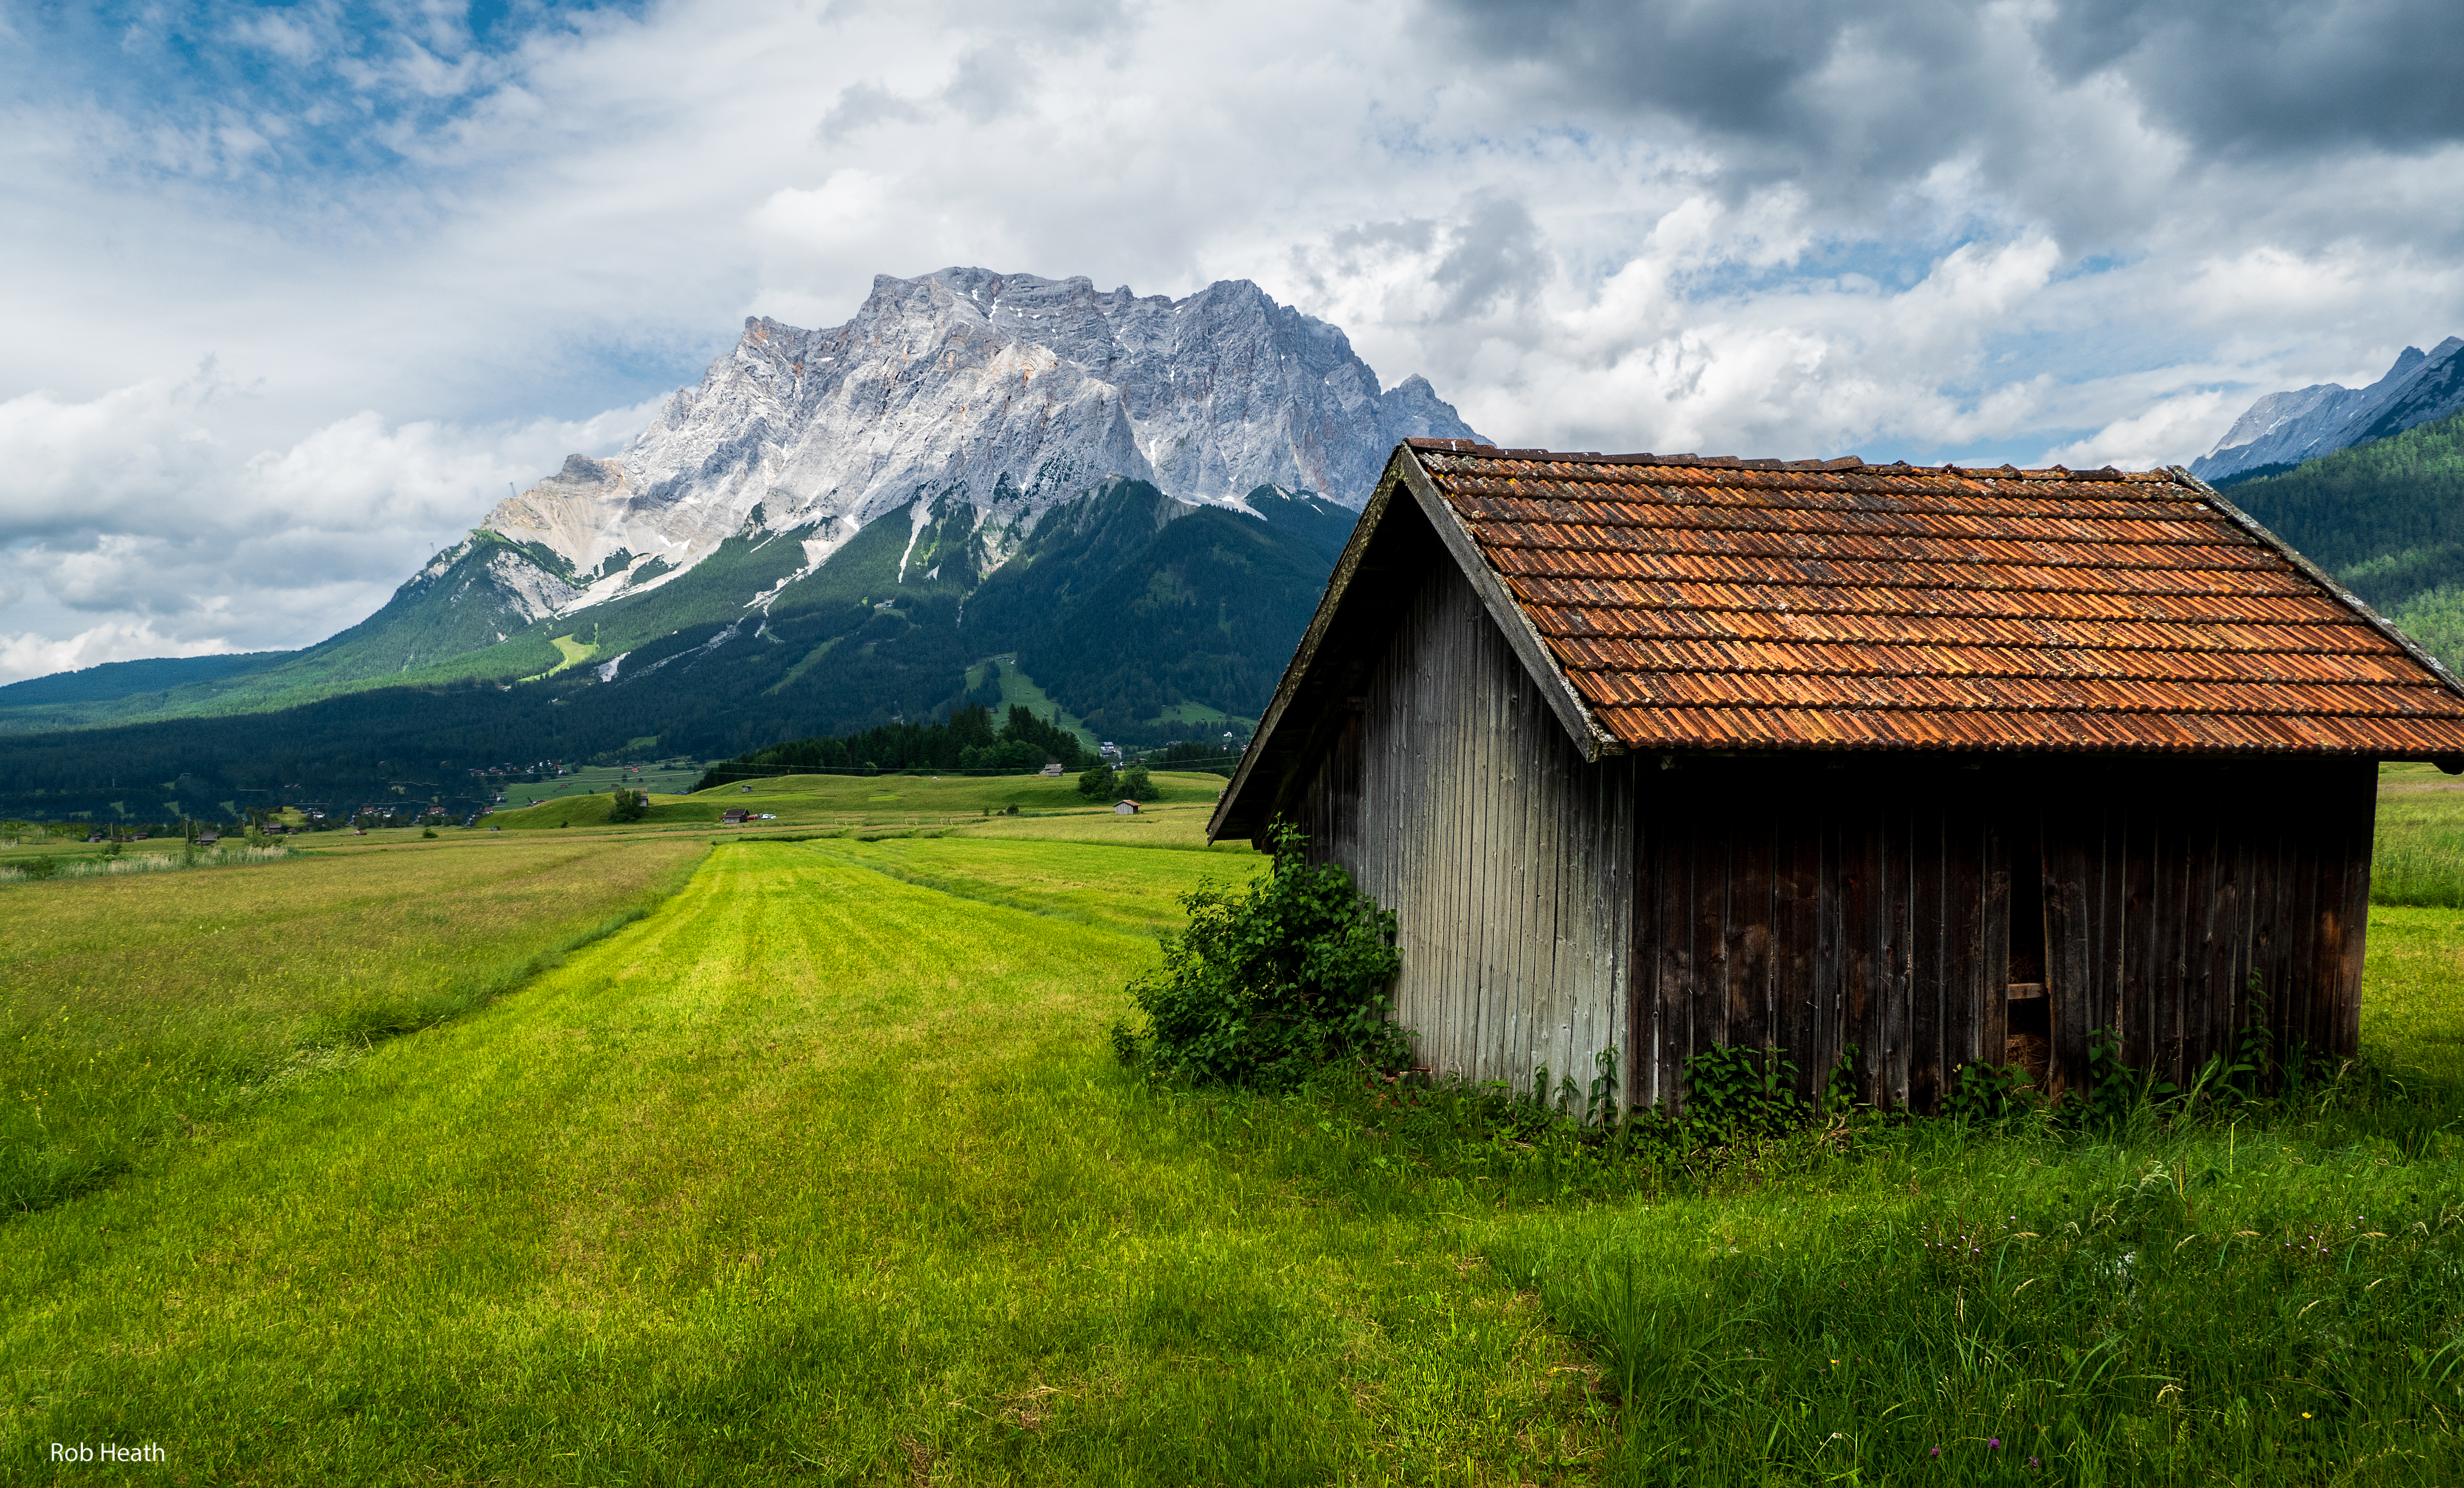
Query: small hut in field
1662	753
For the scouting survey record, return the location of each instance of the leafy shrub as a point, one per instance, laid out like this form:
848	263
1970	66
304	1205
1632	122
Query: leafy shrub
1098	780
1984	1094
1732	1091
1272	980
1137	785
630	806
40	868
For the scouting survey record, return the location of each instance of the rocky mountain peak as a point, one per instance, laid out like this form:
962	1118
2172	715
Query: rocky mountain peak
1003	392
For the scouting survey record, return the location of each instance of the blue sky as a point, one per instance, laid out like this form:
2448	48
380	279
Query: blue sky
295	292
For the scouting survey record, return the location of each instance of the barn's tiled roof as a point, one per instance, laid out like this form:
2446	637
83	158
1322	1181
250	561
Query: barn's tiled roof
1721	603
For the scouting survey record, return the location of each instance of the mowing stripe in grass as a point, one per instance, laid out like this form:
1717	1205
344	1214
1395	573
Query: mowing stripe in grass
1085	884
119	1048
810	1176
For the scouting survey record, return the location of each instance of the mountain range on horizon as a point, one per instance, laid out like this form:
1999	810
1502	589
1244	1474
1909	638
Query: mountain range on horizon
2281	431
972	401
1130	502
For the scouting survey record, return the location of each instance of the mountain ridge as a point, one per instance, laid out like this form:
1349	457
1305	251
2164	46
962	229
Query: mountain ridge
2385	517
2283	430
1008	393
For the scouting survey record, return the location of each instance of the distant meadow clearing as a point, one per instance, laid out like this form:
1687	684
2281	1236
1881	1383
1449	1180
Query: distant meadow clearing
676	1153
864	801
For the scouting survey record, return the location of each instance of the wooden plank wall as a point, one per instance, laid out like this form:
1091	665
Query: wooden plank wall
1806	907
1799	907
2167	888
1455	797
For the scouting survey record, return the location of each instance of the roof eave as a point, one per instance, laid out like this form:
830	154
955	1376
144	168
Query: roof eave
1338	584
2323	578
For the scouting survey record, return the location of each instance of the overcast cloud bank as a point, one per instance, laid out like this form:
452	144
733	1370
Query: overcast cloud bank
295	295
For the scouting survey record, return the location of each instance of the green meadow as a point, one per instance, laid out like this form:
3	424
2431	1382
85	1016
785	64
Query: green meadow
609	1155
843	800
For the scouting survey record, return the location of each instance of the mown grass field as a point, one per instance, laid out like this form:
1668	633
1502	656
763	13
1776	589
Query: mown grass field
822	1173
139	1012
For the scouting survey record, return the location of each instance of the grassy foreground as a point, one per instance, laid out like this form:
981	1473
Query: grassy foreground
822	1172
814	1175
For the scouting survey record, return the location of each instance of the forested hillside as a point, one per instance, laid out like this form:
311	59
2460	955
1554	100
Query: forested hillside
2386	519
967	743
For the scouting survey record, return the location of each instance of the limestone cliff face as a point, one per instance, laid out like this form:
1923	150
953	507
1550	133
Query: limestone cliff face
1005	393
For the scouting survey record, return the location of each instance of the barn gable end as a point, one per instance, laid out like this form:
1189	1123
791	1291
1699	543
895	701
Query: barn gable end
1453	794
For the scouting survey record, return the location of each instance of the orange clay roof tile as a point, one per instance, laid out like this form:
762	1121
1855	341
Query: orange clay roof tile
1703	602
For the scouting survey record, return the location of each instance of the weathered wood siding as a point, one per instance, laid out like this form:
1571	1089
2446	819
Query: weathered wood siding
1809	907
1454	796
2167	888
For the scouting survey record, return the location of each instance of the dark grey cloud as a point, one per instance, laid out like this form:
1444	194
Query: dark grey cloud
1731	67
2275	77
1886	89
1749	70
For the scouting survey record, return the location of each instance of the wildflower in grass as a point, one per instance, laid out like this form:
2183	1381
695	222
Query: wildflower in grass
1937	1451
1992	1443
2033	1462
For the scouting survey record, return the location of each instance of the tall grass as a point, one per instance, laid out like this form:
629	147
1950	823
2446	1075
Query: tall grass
2418	857
2021	1311
164	862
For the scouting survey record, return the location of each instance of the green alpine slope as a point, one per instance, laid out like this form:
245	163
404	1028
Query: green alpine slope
1139	618
2386	519
469	614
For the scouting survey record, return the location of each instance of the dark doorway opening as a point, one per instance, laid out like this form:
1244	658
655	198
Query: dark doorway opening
2029	1040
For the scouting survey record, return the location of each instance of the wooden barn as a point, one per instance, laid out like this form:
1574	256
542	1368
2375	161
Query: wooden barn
1656	753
